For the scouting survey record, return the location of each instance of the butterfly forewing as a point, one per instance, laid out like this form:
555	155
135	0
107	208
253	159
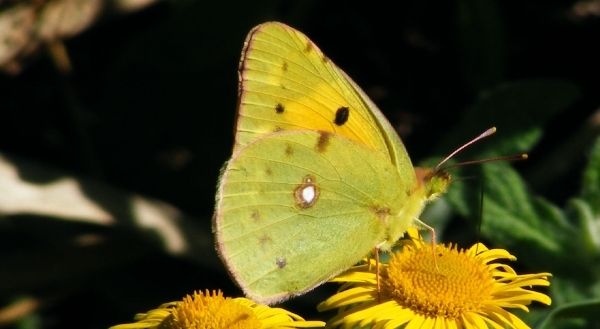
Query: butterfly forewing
287	83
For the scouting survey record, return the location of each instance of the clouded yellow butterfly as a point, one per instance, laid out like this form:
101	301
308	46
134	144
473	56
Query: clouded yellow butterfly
318	177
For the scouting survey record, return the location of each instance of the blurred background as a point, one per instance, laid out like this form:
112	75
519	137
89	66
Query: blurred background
116	116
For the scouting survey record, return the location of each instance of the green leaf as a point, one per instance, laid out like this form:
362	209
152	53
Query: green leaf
591	180
587	236
518	109
510	215
581	310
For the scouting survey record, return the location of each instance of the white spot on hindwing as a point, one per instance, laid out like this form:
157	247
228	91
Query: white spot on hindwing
307	193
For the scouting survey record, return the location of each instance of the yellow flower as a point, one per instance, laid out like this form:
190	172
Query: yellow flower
457	289
206	311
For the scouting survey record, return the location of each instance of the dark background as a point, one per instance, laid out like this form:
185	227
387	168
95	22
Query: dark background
150	104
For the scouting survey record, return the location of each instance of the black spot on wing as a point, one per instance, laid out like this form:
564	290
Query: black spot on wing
341	115
279	108
281	262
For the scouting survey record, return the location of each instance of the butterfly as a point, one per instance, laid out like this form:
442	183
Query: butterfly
318	178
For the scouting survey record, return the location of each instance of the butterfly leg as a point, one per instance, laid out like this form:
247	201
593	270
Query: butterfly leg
377	275
422	226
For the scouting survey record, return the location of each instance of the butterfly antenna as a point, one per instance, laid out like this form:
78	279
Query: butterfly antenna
483	135
516	157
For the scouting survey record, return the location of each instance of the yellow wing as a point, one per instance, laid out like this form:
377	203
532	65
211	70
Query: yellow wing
287	83
268	230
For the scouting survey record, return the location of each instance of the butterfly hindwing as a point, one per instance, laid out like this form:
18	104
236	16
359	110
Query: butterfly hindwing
297	207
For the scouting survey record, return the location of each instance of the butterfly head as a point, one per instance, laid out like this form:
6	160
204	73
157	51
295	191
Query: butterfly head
434	182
